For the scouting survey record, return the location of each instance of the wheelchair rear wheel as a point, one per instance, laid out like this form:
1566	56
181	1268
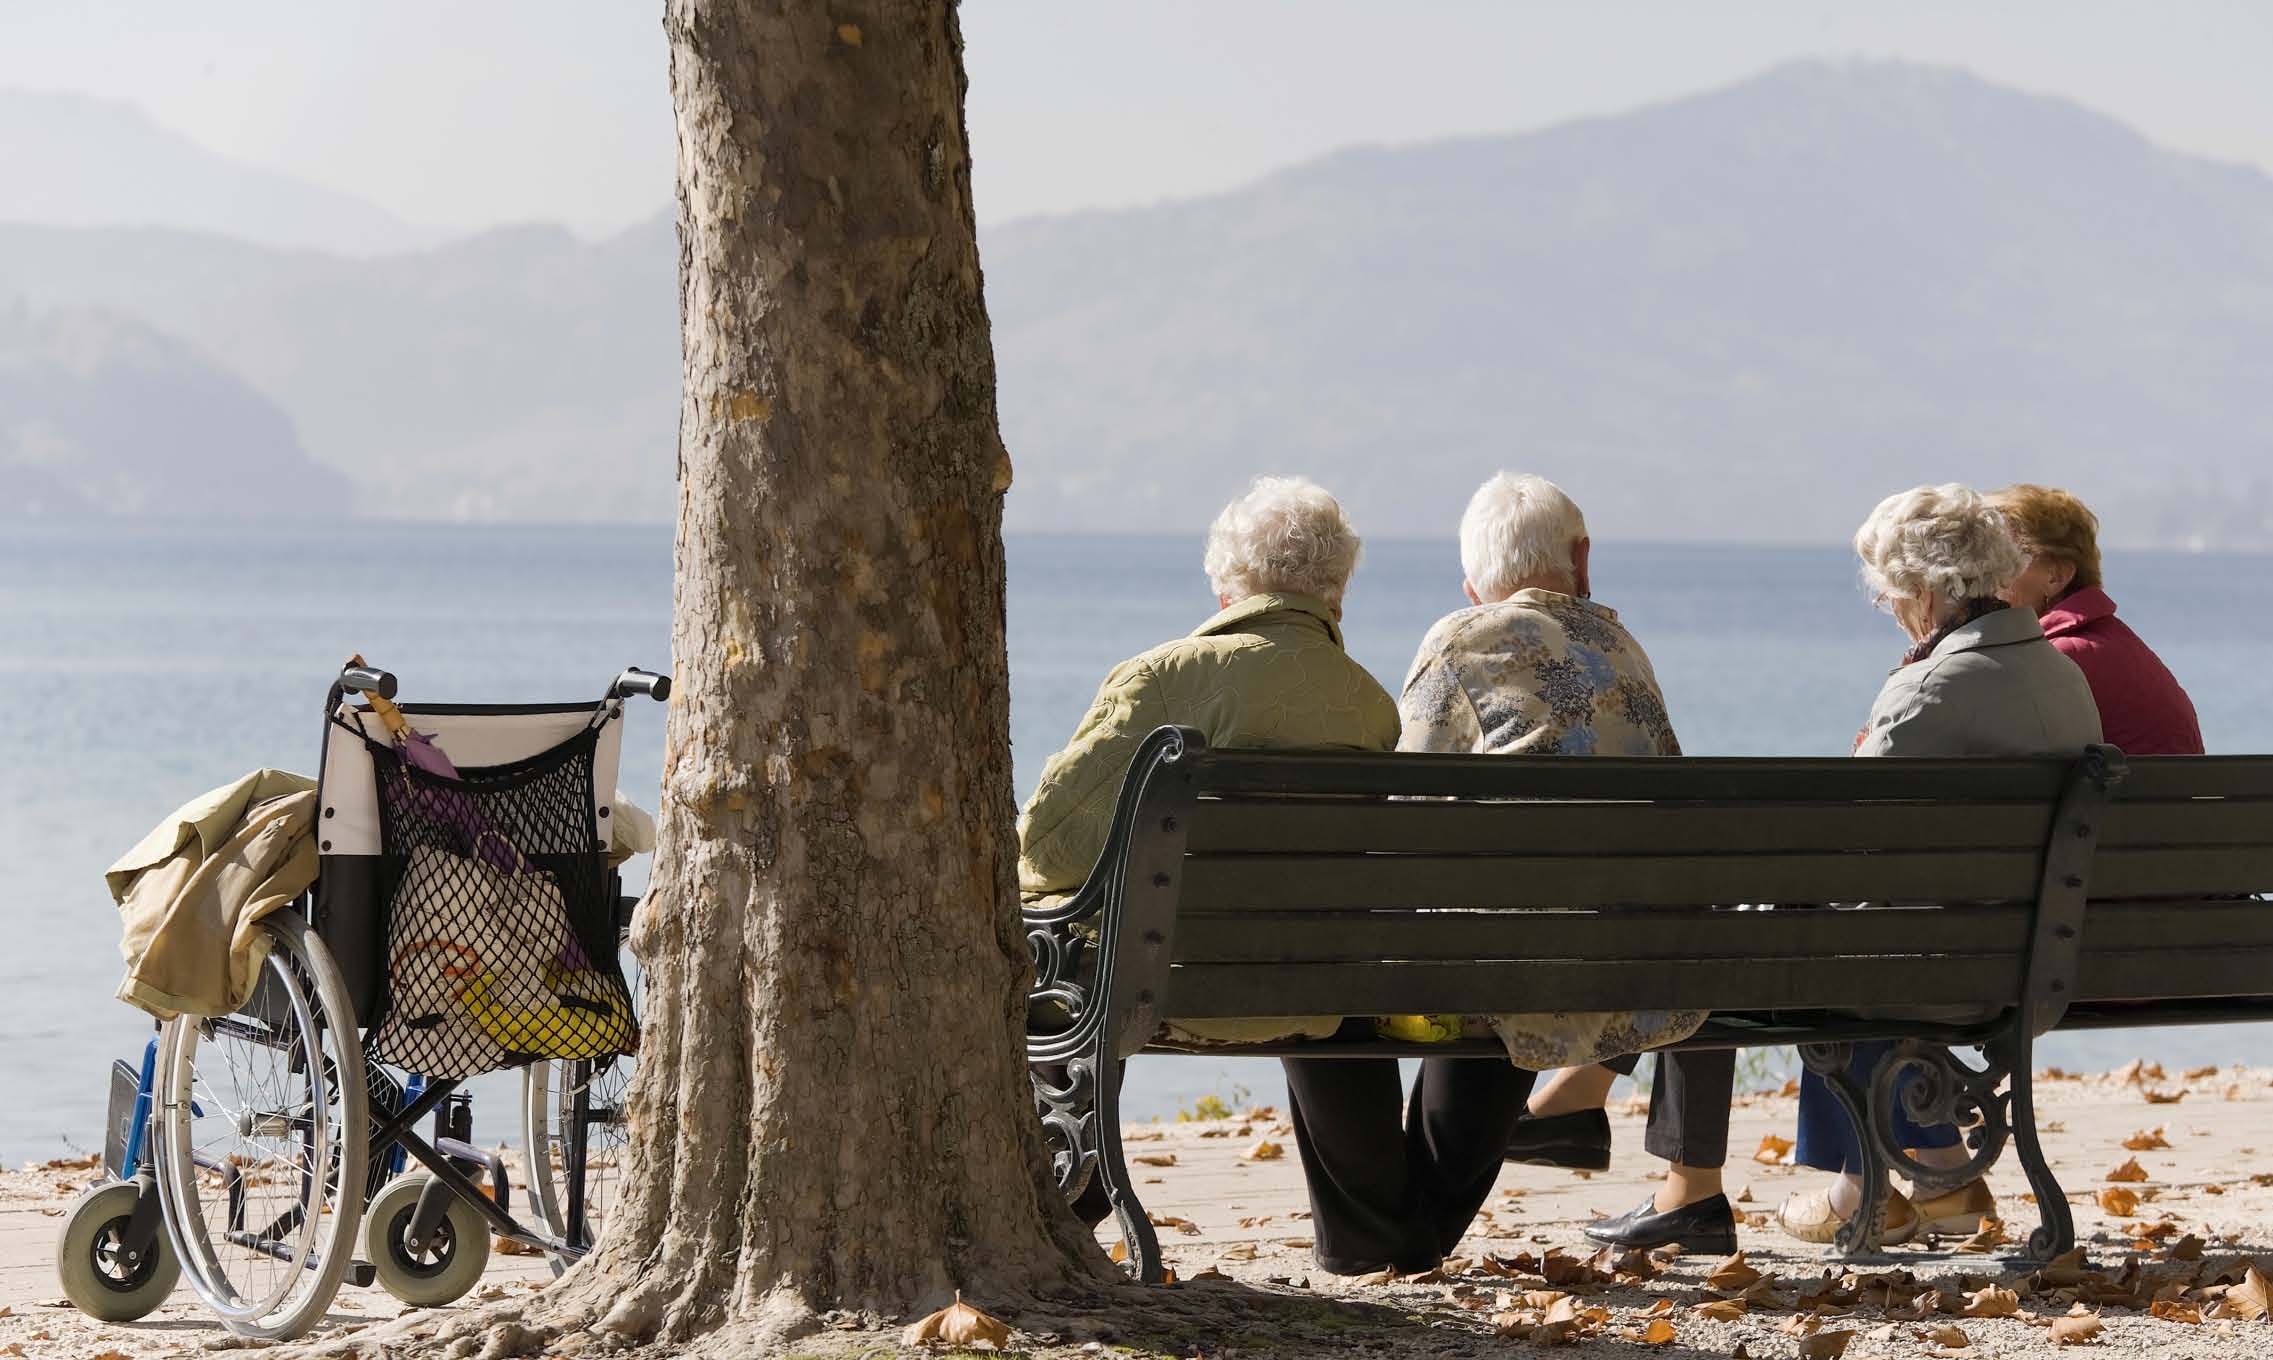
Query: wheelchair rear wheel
574	1195
262	1136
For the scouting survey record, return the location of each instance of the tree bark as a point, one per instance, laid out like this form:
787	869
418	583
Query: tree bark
831	1108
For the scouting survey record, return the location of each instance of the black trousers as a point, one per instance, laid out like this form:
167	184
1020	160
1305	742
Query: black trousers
1689	1100
1385	1192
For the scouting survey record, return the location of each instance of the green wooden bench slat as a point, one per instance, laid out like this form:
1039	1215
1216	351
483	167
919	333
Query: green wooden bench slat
1201	991
1307	882
1632	934
2136	871
2154	974
2163	923
1687	778
1424	827
2162	777
1412	826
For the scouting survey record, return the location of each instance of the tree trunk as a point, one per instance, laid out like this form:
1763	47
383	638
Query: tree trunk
831	1109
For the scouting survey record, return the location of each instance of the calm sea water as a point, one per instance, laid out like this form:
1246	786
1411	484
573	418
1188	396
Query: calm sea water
141	664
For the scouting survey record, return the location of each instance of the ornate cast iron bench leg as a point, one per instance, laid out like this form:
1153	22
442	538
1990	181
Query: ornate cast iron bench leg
2055	1226
1864	1234
1081	1128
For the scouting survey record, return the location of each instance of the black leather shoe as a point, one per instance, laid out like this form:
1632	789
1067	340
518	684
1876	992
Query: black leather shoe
1579	1140
1707	1225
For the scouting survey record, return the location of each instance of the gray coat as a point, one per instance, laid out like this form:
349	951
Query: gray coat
1994	687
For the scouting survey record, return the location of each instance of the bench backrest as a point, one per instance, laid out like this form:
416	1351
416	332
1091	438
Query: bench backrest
1243	882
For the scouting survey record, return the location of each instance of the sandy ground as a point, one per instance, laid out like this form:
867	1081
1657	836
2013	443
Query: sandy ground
1225	1210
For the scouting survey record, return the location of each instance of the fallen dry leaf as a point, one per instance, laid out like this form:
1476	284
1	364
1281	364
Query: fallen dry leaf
2177	1310
1155	1159
2077	1331
2147	1140
2129	1171
108	1355
1825	1345
1720	1310
2165	1097
1118	1252
1949	1337
1265	1151
958	1324
1772	1149
1744	1196
1990	1236
2119	1202
1732	1276
2187	1248
1803	1324
1658	1333
2248	1300
2197	1073
1990	1301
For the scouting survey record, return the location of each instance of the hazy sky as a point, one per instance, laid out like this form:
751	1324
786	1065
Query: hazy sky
465	113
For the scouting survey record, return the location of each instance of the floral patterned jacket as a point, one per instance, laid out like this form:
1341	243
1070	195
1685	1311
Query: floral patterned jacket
1542	673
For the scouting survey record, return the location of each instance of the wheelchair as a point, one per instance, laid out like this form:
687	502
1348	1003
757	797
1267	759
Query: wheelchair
466	917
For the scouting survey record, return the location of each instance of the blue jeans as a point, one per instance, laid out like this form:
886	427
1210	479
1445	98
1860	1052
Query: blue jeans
1827	1141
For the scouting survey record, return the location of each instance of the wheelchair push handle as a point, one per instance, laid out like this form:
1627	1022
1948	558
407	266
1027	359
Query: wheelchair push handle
358	678
635	681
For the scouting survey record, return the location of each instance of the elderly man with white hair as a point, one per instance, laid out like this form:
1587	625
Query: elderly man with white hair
1537	666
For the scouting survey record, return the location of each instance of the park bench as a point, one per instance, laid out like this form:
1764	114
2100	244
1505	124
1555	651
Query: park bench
1982	902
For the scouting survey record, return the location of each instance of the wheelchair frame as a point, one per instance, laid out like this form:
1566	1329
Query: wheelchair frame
344	918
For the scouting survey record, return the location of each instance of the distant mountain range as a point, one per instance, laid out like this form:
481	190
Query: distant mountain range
91	409
1741	315
75	160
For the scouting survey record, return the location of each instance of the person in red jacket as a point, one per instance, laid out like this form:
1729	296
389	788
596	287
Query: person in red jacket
2142	707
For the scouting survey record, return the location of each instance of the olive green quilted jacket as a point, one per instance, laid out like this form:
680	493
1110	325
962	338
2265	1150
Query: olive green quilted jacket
1267	672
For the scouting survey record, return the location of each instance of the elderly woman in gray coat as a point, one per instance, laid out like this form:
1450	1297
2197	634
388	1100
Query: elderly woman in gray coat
1979	679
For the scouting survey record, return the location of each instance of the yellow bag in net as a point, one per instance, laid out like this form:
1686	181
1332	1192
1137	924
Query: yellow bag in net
590	1017
1419	1029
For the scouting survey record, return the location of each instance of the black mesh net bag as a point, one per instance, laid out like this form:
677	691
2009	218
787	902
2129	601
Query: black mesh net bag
500	916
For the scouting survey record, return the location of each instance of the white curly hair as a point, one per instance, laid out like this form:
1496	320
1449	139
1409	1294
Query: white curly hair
1285	535
1942	542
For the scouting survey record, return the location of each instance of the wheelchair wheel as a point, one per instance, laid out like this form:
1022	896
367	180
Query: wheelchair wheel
558	1097
262	1134
445	1266
100	1277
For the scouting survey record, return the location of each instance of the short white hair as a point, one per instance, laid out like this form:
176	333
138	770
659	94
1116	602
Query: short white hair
1518	528
1942	542
1286	535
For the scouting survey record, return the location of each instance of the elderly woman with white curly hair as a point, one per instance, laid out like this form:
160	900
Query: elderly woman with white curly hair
1267	671
1979	679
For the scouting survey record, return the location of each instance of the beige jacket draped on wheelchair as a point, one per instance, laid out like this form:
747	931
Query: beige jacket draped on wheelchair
192	894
